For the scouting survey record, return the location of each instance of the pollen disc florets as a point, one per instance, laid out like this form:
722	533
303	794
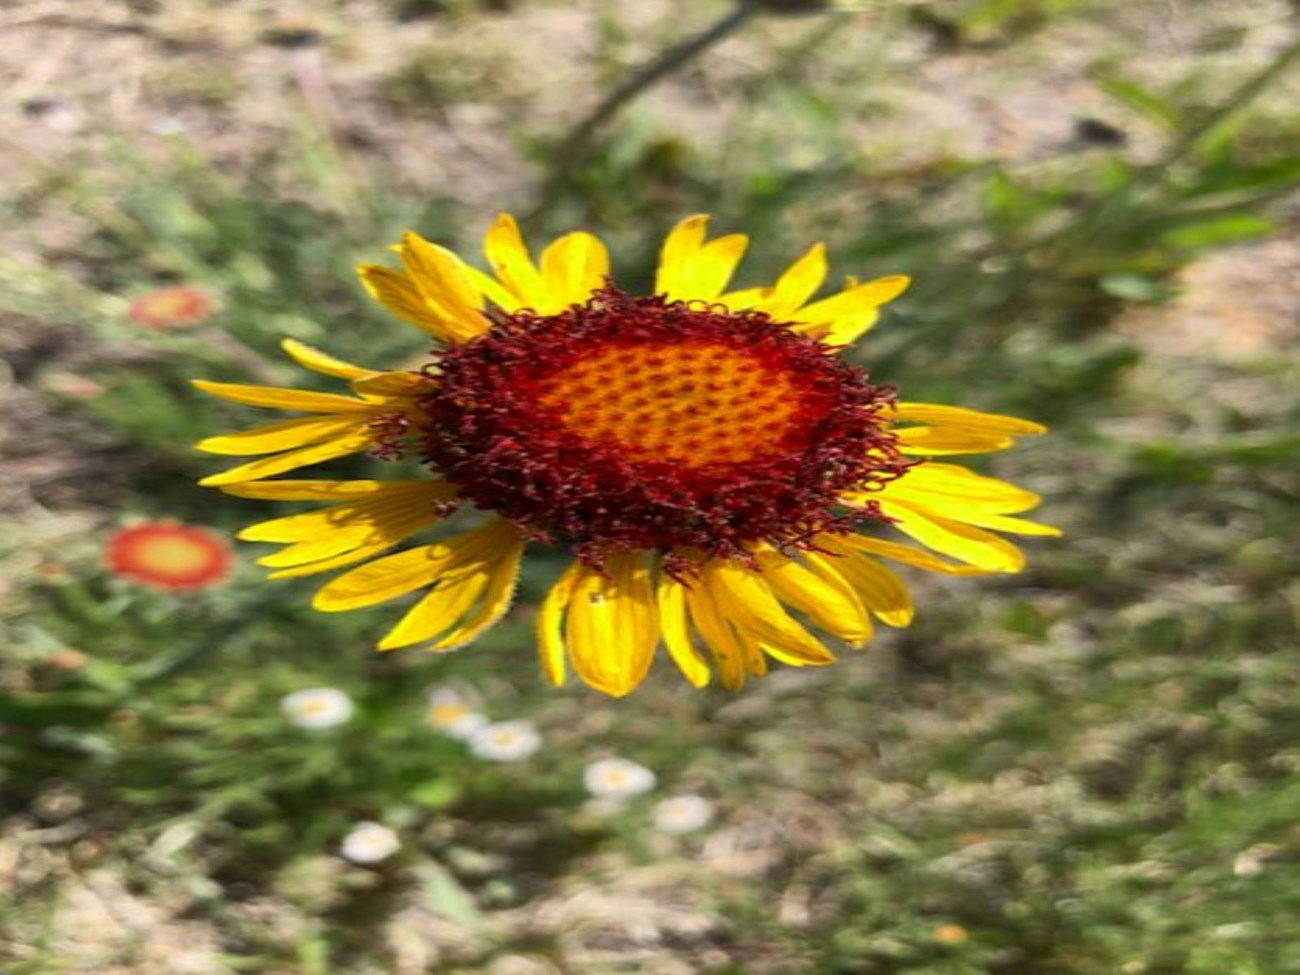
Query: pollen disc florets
647	424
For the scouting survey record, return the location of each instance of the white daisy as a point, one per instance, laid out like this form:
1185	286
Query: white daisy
505	741
369	843
617	778
450	712
681	814
317	707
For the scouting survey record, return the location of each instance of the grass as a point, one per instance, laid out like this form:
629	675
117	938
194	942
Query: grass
1086	769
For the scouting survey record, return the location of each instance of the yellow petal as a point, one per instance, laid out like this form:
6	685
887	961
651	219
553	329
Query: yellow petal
349	534
842	319
671	598
386	578
612	624
951	489
340	541
574	266
492	289
550	620
448	292
398	293
284	435
905	554
747	600
713	267
395	575
995	522
314	359
350	557
401	496
313	490
293	459
509	258
952	538
940	441
690	269
281	399
745	298
437	611
728	652
502	578
964	419
880	588
679	248
393	385
826	598
799	283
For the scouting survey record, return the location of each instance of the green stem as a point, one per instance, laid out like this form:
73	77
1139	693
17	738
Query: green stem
163	668
1248	91
1151	177
574	147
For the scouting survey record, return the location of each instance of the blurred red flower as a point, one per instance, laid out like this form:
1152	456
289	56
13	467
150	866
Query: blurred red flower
167	555
181	306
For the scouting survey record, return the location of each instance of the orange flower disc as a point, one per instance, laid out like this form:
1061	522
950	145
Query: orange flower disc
166	555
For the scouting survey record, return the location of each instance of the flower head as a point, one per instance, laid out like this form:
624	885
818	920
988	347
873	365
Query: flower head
166	555
317	707
949	934
705	455
369	842
682	814
451	712
505	741
617	778
178	307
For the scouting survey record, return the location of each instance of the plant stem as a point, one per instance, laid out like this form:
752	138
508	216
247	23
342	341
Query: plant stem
1239	99
574	147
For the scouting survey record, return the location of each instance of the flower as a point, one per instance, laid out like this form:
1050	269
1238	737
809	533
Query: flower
167	555
682	814
705	455
449	712
317	707
178	307
617	778
505	741
369	843
949	934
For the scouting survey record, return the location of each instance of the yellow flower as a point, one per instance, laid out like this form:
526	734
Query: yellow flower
706	456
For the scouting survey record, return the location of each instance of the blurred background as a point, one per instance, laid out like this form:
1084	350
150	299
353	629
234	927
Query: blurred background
1091	768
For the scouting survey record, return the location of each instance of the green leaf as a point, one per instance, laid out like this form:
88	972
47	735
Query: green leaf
435	793
445	895
1136	287
1010	205
1142	100
1219	230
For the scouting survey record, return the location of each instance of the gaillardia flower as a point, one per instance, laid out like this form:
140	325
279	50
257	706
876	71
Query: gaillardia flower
707	457
177	307
167	555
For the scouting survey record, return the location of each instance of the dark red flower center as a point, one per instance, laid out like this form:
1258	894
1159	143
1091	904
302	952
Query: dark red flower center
648	424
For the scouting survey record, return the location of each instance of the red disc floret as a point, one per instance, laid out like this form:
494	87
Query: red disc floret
646	424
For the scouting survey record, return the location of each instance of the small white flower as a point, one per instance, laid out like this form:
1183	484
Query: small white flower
681	814
1250	863
369	843
617	778
317	707
452	714
505	741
